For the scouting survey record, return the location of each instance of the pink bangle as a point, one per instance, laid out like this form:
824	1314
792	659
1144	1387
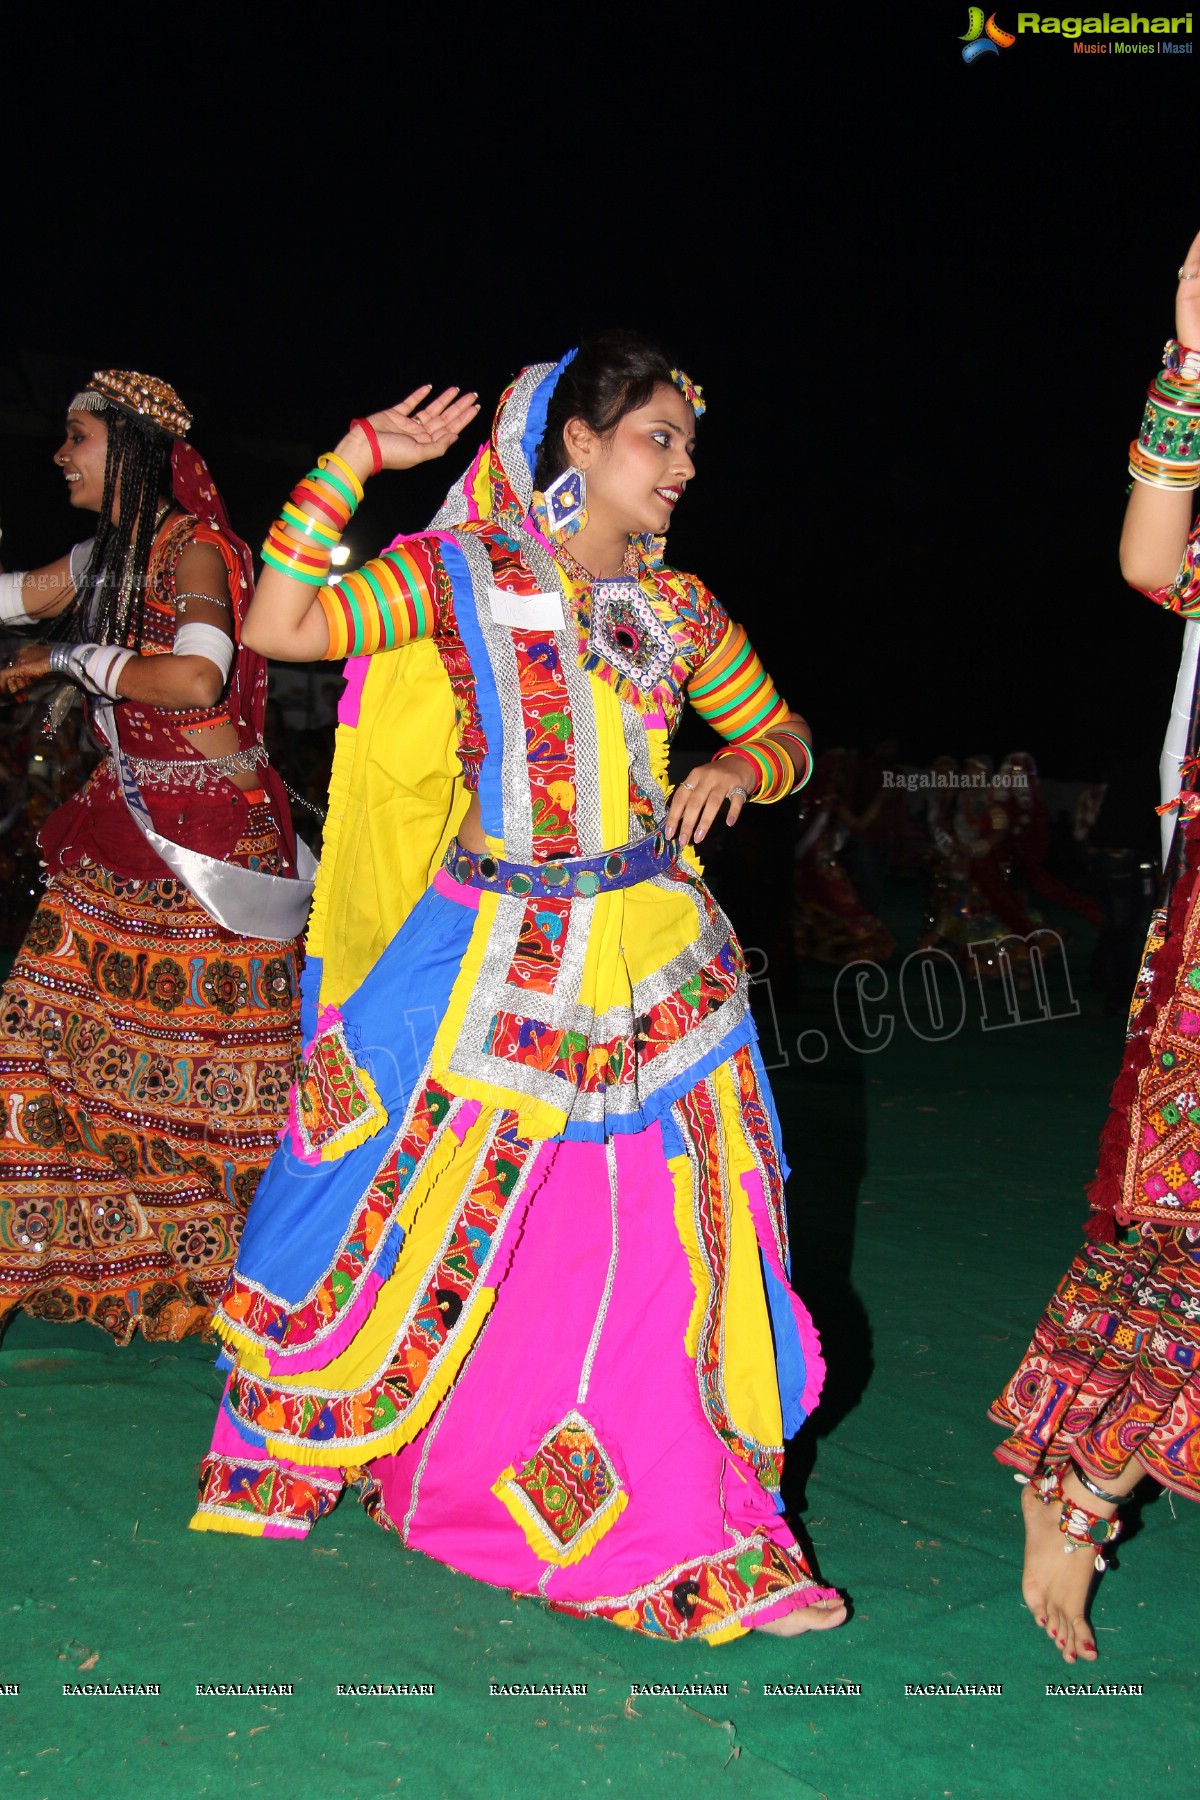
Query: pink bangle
368	431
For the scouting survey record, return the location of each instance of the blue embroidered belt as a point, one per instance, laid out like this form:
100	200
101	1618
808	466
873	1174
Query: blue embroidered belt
564	876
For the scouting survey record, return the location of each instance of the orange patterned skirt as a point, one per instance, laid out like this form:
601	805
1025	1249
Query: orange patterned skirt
145	1060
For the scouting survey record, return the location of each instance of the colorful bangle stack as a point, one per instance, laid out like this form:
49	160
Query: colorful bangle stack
301	541
385	603
801	754
1166	451
776	773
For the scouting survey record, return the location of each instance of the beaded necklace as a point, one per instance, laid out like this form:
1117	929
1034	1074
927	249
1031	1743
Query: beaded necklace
576	571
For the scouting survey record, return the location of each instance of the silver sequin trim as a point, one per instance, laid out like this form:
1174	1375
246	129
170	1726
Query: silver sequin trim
610	1159
716	1292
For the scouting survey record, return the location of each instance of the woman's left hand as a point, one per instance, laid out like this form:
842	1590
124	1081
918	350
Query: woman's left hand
29	665
415	430
697	801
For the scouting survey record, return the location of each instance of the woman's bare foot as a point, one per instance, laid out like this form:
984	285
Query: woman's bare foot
821	1615
1056	1585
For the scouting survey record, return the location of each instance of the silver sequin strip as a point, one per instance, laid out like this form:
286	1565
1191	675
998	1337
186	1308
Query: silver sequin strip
610	1160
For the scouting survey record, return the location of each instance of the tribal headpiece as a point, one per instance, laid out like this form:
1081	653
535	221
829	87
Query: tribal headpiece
143	465
142	396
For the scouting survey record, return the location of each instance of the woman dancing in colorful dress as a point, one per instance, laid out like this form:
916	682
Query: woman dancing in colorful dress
1109	1392
520	1270
149	1026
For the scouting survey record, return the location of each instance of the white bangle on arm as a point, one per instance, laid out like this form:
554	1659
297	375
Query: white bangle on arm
96	667
205	640
12	606
12	600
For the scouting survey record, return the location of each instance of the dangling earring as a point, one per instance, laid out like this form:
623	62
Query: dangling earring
562	510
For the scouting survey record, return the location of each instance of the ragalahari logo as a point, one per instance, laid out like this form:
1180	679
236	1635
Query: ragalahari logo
983	39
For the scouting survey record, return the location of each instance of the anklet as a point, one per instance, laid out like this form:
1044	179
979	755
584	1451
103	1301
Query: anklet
1077	1524
1084	1482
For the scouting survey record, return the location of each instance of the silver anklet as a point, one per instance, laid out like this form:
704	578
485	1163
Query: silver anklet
1097	1492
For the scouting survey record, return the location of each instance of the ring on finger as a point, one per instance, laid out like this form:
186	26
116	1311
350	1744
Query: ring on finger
1186	274
738	790
688	786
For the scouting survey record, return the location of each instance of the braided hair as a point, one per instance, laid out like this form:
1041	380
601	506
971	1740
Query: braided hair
111	602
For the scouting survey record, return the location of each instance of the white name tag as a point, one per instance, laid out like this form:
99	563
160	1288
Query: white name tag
527	612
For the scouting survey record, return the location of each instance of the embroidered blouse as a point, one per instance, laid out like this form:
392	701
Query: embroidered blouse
658	638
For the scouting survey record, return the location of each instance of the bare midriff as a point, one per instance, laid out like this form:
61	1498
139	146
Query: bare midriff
470	832
215	741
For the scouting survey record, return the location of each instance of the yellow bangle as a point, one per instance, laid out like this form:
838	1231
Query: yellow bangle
307	525
331	456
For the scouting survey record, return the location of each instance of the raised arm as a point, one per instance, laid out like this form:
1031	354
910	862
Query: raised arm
1156	555
295	615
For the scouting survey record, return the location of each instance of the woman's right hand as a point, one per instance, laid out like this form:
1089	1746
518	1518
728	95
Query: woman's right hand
415	430
1187	298
30	664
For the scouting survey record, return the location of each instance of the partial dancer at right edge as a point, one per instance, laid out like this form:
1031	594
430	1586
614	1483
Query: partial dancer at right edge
1108	1393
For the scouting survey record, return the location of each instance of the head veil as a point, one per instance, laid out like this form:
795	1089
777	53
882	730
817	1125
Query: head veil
497	489
194	489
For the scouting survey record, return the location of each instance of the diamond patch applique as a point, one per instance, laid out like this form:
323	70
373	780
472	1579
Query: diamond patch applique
567	1495
335	1105
626	633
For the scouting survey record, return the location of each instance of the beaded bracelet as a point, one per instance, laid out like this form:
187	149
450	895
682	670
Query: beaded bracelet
1181	363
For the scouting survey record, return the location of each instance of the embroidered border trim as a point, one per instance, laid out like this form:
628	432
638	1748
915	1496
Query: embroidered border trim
245	1488
328	1425
709	1597
334	1106
698	1117
253	1314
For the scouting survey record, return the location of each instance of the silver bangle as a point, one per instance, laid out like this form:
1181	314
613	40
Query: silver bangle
1097	1492
60	659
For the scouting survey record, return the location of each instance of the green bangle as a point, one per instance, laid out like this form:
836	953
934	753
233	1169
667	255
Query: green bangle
346	494
1169	435
272	556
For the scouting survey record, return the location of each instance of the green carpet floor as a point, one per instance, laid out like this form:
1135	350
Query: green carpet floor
938	1196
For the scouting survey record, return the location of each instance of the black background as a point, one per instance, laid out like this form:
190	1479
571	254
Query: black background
923	298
